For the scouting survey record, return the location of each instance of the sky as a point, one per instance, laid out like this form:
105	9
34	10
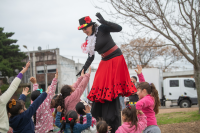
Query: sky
53	24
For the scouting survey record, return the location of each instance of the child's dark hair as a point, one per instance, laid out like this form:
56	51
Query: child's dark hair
79	109
34	95
65	91
15	109
102	126
151	89
71	114
130	114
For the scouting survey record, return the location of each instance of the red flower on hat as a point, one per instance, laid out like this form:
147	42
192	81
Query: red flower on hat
87	19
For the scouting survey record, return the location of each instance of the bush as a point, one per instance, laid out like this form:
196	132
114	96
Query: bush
4	87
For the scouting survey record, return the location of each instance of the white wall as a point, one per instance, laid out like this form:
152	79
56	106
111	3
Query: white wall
67	71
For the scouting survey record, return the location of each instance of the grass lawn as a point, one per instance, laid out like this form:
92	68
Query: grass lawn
177	117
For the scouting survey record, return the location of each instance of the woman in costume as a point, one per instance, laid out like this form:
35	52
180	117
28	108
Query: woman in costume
112	77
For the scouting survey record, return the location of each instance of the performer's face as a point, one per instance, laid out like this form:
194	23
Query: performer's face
88	30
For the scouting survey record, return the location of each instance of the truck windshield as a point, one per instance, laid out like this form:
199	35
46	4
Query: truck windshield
189	83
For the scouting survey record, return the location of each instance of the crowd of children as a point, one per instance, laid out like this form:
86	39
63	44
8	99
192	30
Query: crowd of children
65	112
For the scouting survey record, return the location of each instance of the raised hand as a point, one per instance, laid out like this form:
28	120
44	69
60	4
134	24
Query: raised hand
139	69
59	109
56	75
89	71
25	68
87	109
25	91
82	73
33	80
101	19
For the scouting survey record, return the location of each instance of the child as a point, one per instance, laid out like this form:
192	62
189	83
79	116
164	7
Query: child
102	126
83	120
54	106
69	123
132	123
43	118
5	97
21	119
70	95
149	103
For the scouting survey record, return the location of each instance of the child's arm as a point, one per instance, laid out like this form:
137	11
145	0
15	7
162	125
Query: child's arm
88	124
75	85
142	121
52	88
35	105
89	121
34	81
5	97
24	94
79	91
57	122
144	102
139	74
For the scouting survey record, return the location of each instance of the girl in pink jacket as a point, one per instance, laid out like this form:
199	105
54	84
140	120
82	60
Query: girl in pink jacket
43	118
149	104
70	95
134	121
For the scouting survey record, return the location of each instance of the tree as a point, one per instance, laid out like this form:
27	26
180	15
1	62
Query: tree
175	20
10	55
144	51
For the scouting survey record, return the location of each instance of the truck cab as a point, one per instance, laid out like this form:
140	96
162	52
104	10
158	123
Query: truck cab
182	90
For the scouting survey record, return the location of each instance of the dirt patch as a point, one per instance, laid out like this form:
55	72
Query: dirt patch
188	127
161	111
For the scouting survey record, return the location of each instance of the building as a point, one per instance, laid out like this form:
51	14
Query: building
50	60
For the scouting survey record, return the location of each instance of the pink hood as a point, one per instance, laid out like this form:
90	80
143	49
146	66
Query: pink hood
141	125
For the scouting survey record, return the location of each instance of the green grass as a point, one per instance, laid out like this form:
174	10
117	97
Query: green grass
177	117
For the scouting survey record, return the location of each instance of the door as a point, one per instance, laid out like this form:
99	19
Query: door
189	88
174	89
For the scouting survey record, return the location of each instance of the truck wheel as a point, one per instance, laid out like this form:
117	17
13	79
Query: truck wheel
185	104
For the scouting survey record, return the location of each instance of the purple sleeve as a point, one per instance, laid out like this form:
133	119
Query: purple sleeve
20	75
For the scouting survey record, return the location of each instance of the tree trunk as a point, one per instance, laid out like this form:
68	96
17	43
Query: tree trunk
197	82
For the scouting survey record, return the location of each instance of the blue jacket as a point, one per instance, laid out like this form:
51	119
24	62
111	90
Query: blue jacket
77	127
23	123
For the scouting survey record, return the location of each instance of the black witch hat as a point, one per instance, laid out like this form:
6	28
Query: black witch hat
85	22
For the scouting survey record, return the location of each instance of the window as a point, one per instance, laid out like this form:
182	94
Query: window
174	83
189	83
52	71
40	72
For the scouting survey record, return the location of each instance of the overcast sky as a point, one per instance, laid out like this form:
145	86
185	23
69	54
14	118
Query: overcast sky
52	24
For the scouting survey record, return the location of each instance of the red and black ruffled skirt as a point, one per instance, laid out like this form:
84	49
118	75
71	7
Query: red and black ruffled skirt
111	80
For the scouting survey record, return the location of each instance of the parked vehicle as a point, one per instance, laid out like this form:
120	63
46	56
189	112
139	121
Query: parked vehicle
181	89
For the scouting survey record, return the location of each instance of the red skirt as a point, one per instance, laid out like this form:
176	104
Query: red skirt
111	79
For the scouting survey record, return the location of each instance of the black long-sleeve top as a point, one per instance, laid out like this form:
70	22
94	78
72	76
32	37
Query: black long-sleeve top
104	42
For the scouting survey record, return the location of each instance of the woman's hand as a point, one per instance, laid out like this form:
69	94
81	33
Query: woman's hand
87	109
89	70
140	112
101	19
25	91
25	68
59	109
139	69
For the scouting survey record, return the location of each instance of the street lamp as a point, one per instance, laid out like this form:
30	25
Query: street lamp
30	65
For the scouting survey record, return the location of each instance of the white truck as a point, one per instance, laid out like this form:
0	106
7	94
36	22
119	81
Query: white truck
180	90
